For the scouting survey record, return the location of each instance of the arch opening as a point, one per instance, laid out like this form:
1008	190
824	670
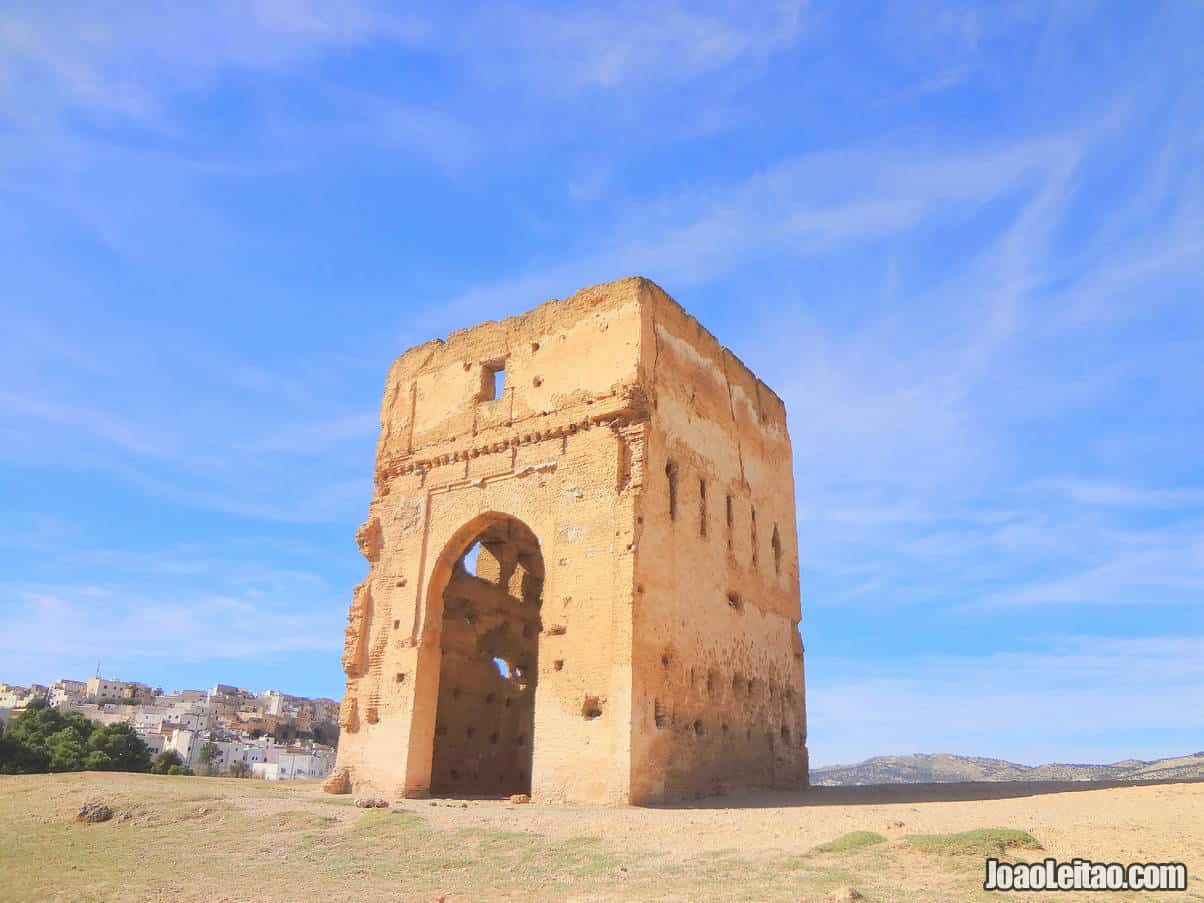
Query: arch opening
485	715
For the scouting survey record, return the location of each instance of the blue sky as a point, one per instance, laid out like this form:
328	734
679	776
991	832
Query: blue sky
964	242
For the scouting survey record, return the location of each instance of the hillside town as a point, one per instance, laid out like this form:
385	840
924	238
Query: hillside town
270	735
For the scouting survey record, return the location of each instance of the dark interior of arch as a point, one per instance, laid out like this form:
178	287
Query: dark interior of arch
486	710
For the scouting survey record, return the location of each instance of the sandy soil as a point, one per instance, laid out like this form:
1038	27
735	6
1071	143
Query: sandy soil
1119	824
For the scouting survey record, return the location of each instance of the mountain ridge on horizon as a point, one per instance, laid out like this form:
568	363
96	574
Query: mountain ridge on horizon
941	768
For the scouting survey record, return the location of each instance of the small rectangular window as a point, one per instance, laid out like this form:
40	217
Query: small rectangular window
493	380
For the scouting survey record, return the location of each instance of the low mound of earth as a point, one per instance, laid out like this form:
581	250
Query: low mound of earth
214	839
946	768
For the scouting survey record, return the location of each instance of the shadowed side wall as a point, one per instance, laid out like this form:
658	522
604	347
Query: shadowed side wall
717	661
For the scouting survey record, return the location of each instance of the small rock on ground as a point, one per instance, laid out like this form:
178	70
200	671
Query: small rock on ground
93	812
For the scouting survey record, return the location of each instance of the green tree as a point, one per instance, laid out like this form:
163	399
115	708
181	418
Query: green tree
123	748
165	760
240	769
43	739
179	769
98	760
207	756
20	758
67	749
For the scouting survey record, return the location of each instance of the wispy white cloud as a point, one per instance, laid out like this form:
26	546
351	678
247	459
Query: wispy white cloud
1087	492
325	498
798	207
1147	569
126	63
315	436
219	463
645	46
137	66
933	84
83	419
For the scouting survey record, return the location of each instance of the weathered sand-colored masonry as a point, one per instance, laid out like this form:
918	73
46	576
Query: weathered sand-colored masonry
583	573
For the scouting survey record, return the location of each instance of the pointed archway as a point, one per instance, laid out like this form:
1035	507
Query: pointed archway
489	641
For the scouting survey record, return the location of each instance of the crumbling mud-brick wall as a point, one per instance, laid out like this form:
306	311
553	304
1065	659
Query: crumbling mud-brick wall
583	577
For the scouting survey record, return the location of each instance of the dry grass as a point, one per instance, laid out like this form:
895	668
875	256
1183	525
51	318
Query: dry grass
218	839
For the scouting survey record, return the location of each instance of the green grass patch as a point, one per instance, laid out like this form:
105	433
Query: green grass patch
854	840
979	842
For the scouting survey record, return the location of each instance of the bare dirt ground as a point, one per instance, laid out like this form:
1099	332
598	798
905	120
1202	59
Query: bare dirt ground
213	839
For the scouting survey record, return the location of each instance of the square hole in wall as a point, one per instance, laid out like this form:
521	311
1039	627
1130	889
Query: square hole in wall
493	380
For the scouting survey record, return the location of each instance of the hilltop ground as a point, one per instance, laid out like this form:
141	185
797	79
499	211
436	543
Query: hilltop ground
213	839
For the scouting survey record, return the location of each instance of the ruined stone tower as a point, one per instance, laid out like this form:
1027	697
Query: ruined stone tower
583	575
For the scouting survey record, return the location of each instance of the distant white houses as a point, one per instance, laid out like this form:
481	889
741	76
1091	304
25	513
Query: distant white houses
64	692
244	728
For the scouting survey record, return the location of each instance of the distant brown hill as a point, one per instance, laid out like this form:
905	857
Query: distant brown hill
946	768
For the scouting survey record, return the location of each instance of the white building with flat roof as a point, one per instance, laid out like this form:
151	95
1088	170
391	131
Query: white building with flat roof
296	765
